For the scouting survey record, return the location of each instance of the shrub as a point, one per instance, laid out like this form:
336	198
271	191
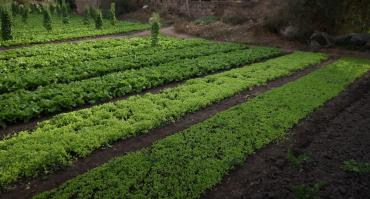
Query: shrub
65	14
86	20
155	23
112	13
25	14
92	12
15	8
98	20
47	19
6	25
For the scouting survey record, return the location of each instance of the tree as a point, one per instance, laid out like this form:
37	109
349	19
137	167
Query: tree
86	20
25	13
155	26
65	14
6	25
47	19
112	13
99	20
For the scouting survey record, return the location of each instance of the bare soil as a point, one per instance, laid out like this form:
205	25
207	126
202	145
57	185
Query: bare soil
253	34
337	132
27	189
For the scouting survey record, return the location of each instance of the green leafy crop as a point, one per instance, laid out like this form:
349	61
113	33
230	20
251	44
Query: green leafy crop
68	136
188	163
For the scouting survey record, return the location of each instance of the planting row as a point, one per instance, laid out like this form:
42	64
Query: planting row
59	141
188	163
30	79
54	56
34	32
23	105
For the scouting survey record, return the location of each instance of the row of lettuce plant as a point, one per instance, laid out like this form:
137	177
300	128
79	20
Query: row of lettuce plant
190	162
33	32
32	78
55	56
62	139
23	105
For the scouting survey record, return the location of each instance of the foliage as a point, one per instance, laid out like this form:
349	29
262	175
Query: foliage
47	19
188	163
206	20
25	11
297	161
155	23
308	192
14	8
34	31
327	16
137	115
112	13
31	72
356	167
24	105
86	20
6	25
65	14
99	20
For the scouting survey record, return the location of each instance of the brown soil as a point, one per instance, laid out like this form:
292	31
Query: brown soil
337	132
99	157
253	34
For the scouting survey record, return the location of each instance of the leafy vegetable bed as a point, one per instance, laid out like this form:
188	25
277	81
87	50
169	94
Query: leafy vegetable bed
54	56
34	32
24	105
188	163
116	60
68	136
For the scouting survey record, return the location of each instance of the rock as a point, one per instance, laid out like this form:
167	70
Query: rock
315	46
367	46
289	32
360	39
353	39
321	38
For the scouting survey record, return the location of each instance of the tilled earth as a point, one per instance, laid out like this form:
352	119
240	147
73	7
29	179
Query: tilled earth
337	132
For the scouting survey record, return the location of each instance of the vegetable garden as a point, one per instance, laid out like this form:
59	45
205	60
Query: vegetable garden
91	95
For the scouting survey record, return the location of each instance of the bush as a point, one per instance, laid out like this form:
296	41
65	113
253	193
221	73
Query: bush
6	25
24	11
47	19
206	20
15	8
93	12
86	20
155	23
98	20
112	13
65	14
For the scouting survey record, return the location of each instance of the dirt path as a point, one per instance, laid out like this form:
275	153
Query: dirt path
99	157
338	132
